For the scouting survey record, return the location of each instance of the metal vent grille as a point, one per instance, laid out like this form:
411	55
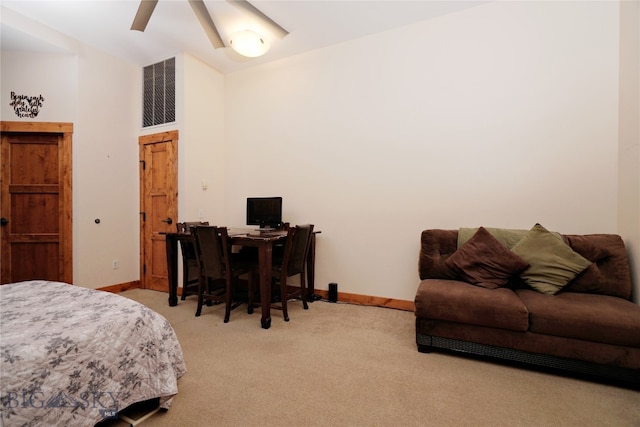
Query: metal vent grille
159	93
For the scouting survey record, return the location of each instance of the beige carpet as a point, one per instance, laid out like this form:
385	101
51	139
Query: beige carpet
349	365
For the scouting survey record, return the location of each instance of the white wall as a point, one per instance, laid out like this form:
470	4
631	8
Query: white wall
22	73
629	153
201	159
100	95
501	115
105	174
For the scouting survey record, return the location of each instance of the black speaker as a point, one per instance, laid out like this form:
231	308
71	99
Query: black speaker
333	292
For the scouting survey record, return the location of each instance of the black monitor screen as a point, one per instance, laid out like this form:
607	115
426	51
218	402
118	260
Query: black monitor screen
264	211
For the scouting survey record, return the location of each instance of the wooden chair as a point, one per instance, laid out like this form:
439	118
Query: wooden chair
217	274
291	263
190	271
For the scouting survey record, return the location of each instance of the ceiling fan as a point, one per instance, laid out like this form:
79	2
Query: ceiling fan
145	10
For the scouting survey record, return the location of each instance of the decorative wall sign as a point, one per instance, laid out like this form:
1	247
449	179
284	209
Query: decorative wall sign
26	106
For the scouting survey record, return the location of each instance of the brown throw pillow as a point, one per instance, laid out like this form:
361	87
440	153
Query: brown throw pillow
486	262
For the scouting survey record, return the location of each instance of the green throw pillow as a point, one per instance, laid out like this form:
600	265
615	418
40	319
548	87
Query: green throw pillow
552	262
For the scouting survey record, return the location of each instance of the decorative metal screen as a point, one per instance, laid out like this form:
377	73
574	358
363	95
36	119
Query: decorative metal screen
159	93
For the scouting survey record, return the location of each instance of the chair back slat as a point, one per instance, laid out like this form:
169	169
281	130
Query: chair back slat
210	250
299	249
188	226
187	246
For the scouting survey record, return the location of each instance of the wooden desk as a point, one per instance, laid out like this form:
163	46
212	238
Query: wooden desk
263	240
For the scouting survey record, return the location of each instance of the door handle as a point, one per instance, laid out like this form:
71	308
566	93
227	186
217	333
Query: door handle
4	221
168	221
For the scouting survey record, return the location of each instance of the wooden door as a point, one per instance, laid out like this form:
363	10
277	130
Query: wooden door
158	205
35	202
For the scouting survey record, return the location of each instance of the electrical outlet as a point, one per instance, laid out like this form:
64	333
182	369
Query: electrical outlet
115	264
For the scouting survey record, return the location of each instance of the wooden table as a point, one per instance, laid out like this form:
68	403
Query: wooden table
263	240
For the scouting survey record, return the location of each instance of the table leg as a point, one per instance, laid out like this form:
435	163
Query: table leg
311	263
172	268
264	262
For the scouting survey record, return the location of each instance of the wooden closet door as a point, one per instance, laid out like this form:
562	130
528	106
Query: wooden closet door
35	202
158	205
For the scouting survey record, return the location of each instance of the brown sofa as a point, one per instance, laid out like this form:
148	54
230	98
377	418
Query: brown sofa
590	326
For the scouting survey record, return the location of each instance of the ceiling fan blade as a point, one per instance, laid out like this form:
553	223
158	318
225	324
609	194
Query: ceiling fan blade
144	13
273	25
208	26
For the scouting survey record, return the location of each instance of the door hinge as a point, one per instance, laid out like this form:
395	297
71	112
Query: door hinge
144	216
144	268
144	164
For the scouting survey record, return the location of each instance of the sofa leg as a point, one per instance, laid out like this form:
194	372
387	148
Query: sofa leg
424	348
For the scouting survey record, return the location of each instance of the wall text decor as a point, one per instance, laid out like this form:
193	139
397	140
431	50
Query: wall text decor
26	106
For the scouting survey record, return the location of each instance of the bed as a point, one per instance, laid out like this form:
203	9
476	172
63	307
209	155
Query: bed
75	356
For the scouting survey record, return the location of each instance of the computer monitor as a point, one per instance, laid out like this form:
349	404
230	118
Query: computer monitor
264	211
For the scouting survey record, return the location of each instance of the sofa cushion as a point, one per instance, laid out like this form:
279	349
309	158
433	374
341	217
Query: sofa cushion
553	262
486	262
596	318
462	302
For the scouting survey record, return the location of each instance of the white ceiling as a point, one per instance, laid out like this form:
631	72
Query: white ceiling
173	28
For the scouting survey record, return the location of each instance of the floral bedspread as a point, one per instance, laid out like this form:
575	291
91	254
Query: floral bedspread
74	356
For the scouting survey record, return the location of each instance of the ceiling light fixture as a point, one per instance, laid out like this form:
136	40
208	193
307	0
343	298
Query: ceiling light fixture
249	43
246	43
